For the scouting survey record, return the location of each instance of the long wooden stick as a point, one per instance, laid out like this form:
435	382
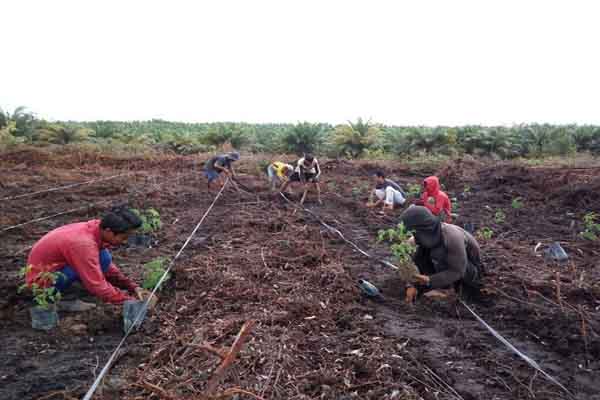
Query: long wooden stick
233	352
558	296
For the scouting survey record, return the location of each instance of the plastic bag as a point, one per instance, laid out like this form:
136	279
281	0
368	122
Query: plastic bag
43	318
470	227
555	253
131	308
368	288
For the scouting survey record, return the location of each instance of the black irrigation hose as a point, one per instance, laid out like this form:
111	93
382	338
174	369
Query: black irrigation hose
54	189
89	206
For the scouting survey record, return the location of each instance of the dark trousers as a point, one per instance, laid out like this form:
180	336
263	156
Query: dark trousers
69	276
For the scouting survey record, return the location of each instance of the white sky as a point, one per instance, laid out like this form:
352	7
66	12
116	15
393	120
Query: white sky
398	62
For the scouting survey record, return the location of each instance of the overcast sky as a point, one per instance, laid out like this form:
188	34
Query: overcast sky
448	62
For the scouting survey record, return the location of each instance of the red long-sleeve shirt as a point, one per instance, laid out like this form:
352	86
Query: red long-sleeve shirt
78	245
441	200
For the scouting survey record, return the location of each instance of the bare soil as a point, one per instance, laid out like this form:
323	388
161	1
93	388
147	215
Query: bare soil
316	336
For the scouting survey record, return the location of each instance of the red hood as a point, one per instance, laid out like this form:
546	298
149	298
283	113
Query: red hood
432	185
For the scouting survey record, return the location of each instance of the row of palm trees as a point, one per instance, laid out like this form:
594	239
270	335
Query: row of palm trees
354	139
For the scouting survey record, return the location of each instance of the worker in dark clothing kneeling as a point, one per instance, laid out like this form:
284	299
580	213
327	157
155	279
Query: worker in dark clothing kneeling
446	255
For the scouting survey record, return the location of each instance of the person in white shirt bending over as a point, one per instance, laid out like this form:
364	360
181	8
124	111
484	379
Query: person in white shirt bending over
387	192
307	172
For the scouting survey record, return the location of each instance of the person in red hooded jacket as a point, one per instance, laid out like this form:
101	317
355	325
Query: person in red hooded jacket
435	199
79	252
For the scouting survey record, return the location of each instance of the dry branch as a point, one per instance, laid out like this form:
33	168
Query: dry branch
233	352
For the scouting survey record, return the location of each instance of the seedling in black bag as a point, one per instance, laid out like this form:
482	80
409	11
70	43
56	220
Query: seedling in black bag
592	229
45	296
401	249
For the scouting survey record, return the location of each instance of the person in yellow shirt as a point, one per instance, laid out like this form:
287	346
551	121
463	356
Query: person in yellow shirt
279	173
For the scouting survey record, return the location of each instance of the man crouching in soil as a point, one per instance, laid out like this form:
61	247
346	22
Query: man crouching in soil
446	255
79	252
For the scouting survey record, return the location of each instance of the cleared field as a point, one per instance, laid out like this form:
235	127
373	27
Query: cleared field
316	337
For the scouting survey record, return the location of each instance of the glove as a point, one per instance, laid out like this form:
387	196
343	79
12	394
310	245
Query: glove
142	294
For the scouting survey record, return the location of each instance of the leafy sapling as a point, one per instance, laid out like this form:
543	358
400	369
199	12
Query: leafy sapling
402	249
414	190
153	272
485	233
262	166
517	203
150	220
44	295
499	217
358	190
591	227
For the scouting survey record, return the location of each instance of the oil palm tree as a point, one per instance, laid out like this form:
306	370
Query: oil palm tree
60	134
354	138
304	137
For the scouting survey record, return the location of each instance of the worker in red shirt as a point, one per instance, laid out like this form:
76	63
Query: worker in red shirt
80	253
435	199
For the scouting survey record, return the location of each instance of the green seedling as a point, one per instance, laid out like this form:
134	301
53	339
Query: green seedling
358	190
485	233
401	249
499	217
262	166
591	228
46	294
455	204
414	190
467	189
153	271
517	203
150	220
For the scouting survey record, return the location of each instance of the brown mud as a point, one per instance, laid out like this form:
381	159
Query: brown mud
316	337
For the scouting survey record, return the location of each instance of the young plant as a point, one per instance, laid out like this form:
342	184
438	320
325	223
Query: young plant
154	270
499	217
455	204
414	190
467	189
358	190
261	167
517	203
485	233
46	294
592	229
401	249
150	220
